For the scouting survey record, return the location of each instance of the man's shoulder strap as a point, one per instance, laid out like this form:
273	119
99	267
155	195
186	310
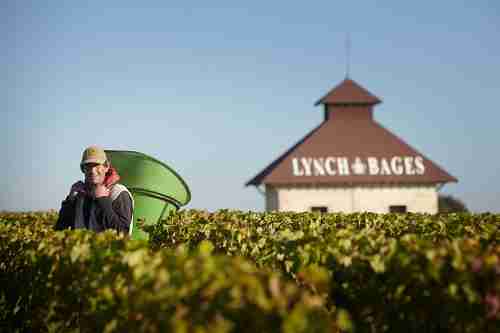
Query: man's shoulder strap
116	190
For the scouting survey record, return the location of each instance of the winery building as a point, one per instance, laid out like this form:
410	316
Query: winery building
351	163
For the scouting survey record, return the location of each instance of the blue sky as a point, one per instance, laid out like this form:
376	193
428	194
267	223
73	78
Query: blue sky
219	89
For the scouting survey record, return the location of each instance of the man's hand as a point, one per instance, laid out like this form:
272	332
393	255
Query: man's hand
76	188
101	191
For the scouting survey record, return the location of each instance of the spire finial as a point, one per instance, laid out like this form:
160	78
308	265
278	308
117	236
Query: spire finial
348	55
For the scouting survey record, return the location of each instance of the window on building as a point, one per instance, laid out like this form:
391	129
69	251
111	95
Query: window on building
320	209
397	209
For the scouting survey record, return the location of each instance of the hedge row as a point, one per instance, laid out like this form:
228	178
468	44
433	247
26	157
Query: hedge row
363	272
81	281
411	272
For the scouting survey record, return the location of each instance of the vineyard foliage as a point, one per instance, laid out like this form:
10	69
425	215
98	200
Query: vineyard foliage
232	271
81	281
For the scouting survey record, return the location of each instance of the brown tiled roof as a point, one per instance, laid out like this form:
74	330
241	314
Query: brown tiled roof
352	136
349	92
367	139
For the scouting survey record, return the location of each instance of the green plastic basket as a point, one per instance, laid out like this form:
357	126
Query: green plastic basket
156	188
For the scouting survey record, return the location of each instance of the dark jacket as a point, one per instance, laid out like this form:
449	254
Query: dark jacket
98	214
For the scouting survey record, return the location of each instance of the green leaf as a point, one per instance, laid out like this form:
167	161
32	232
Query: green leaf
206	248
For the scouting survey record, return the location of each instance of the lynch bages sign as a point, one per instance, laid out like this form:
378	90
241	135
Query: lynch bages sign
372	166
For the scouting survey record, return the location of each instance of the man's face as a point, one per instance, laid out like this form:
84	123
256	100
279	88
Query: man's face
94	173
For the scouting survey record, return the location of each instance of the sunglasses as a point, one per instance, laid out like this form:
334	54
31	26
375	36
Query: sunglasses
89	166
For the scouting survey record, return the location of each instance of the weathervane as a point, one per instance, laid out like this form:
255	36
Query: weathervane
347	51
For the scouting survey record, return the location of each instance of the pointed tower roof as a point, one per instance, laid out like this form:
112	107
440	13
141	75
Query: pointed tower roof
349	92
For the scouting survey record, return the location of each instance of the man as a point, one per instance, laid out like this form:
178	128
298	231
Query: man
99	203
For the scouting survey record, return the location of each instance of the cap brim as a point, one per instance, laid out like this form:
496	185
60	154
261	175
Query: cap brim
93	160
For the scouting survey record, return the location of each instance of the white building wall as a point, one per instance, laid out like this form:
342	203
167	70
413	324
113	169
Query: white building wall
422	199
